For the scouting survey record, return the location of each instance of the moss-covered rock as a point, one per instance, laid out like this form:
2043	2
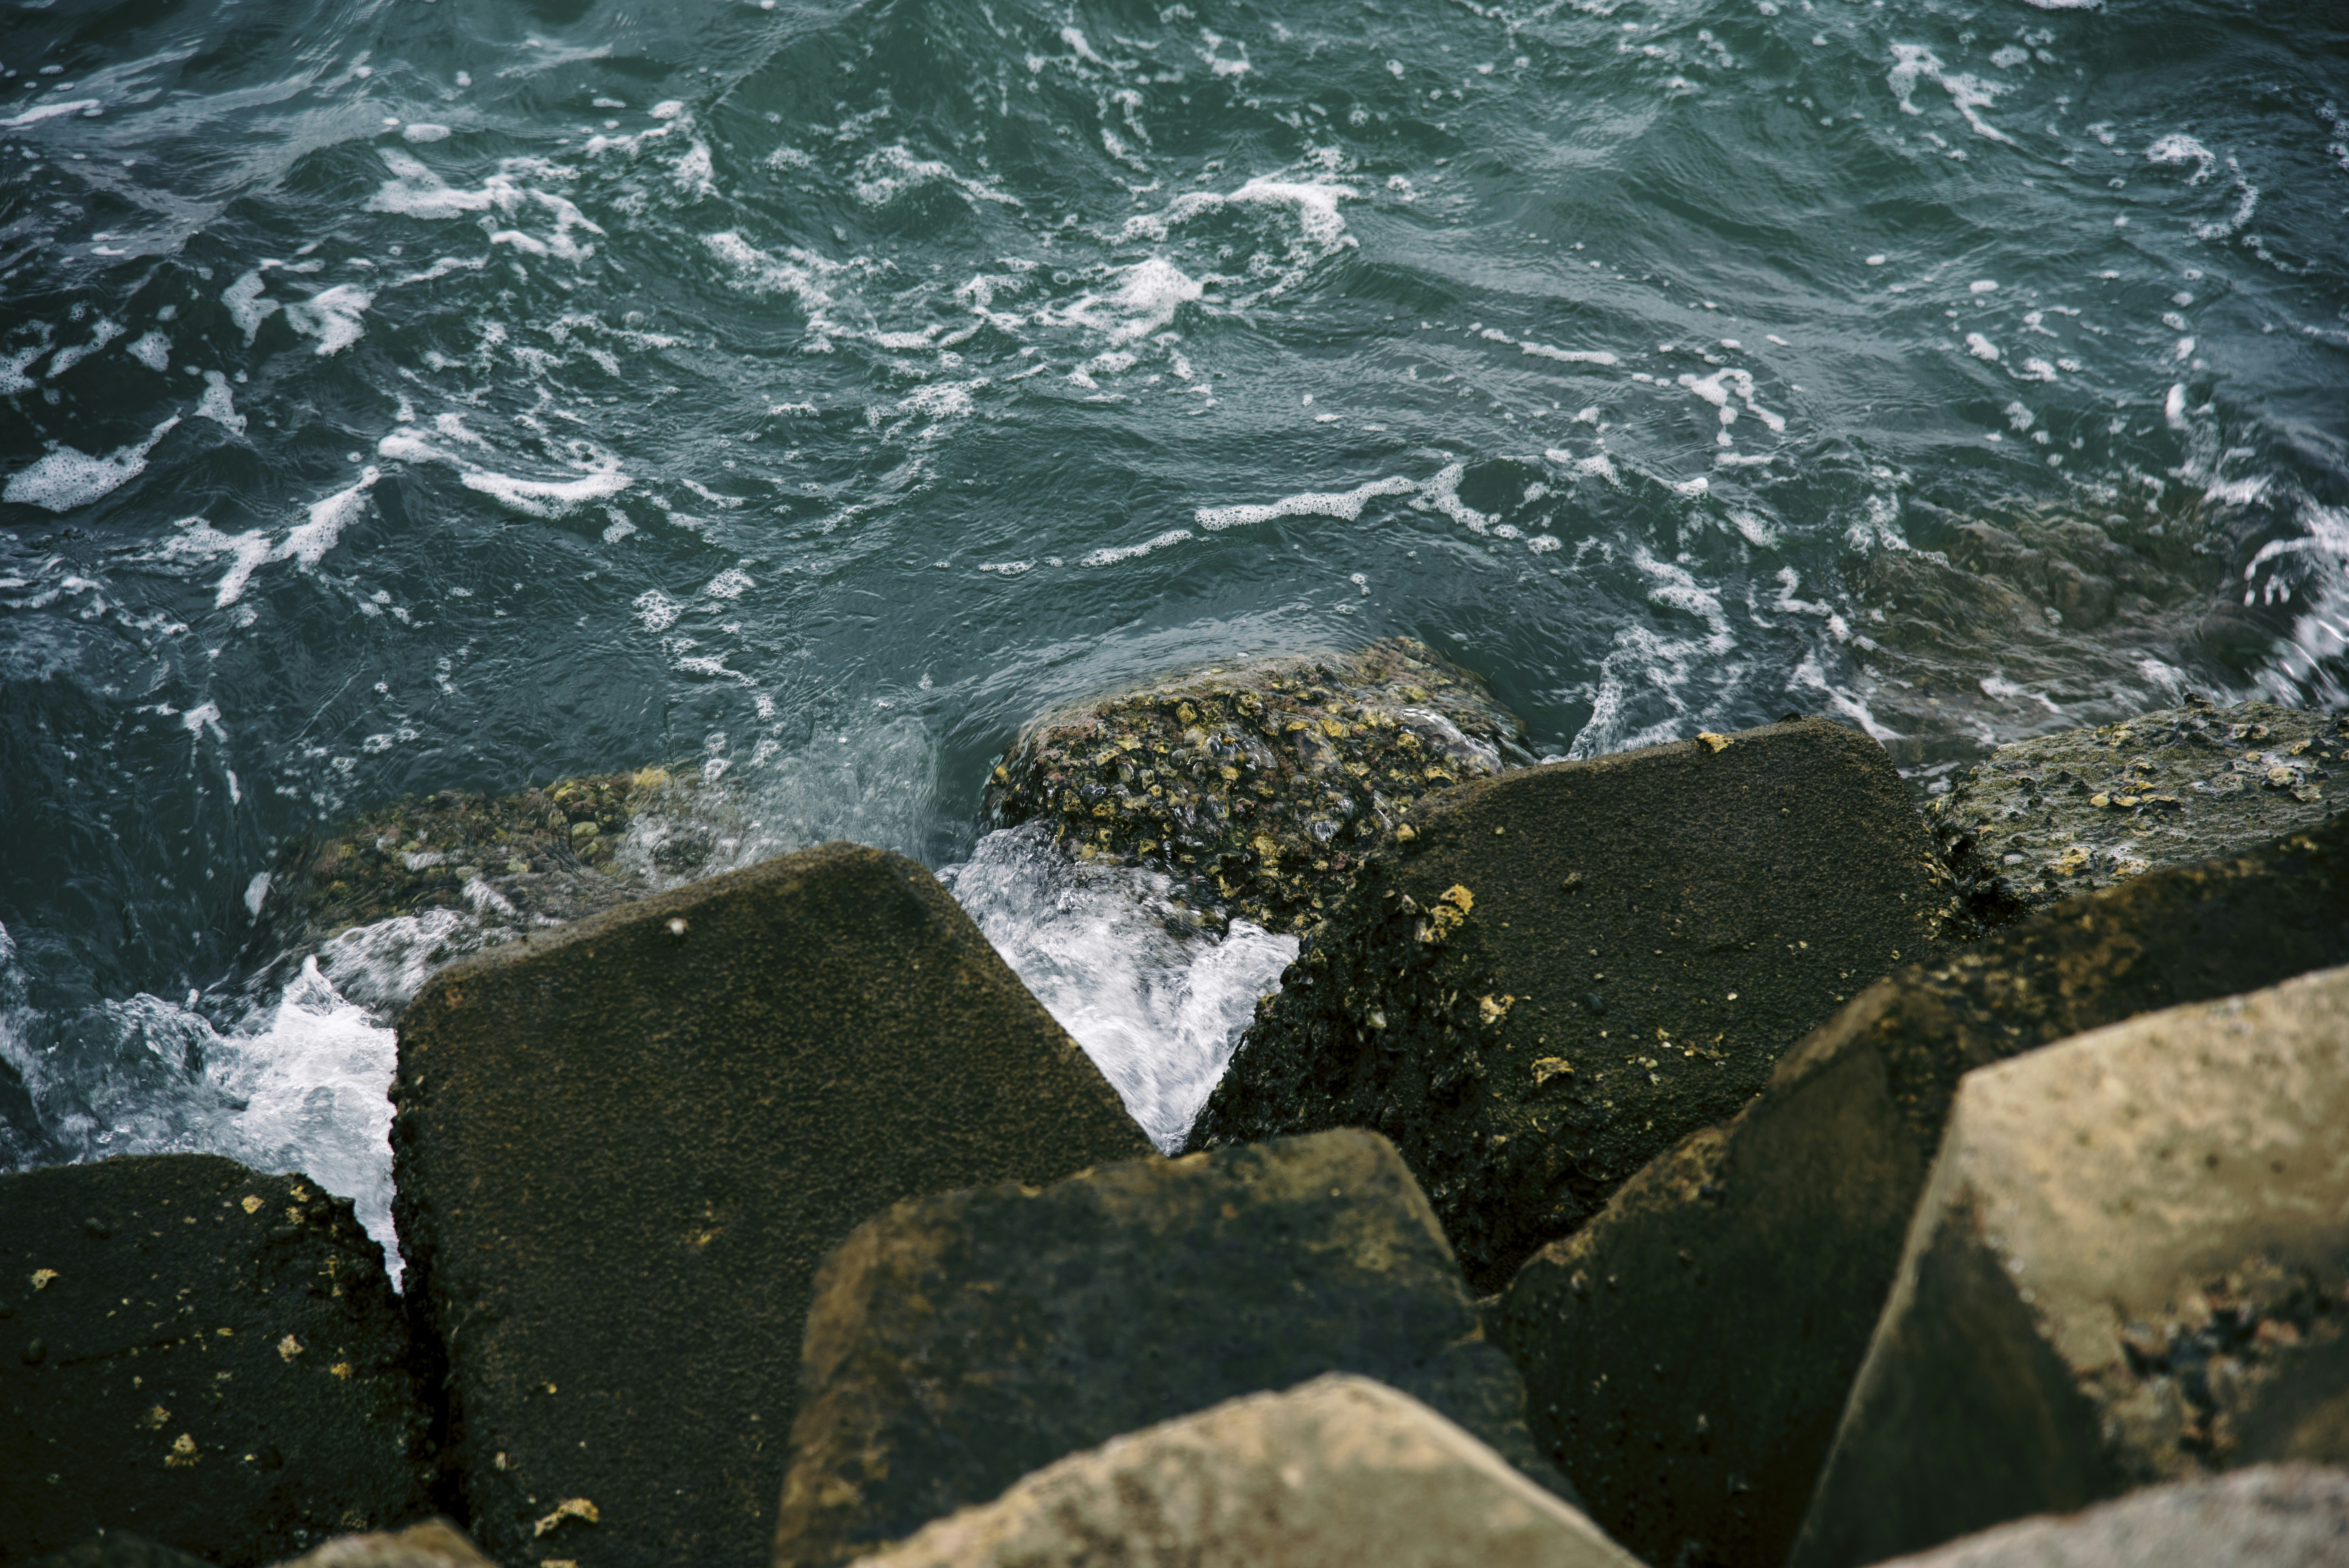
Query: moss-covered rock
2068	813
1258	785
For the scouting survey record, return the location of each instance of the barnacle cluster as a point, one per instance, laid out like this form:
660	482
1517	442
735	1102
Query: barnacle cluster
1257	787
535	857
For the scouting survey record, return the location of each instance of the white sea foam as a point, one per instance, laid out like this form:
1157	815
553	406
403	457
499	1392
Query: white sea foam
66	478
1110	557
103	331
1971	94
52	112
1345	505
245	305
332	316
549	498
153	351
218	404
200	541
317	533
1159	1014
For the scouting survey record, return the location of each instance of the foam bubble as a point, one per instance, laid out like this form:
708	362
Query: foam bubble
68	478
323	529
1128	552
425	130
52	112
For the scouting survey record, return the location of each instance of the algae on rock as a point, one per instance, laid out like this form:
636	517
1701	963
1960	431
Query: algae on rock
2042	819
1259	786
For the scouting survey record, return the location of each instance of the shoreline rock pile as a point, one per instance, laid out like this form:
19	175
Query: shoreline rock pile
1835	1189
1260	788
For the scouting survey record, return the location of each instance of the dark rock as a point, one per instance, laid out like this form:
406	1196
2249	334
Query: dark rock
959	1341
2268	1516
622	1147
2131	1264
1727	895
1688	1353
2068	813
116	1548
218	1362
1333	1474
1258	785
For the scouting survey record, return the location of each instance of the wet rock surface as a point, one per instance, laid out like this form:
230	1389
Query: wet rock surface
533	858
958	1342
1562	972
203	1355
2068	813
2131	1264
1340	1472
1688	1353
622	1147
2267	1516
1258	785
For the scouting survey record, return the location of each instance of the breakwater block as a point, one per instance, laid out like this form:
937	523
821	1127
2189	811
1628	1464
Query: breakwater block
2131	1265
959	1341
1336	1473
1687	1352
2268	1516
1558	974
200	1354
622	1149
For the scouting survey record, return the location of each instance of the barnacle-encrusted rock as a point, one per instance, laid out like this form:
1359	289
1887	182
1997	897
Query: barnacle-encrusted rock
2044	818
1259	786
538	857
2128	1267
1564	971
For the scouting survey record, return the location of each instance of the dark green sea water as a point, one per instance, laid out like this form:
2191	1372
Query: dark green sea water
421	394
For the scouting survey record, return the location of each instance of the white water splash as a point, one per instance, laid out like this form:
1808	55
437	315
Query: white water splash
1156	1006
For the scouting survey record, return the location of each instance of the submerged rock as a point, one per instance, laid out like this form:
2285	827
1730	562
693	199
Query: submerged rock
1559	974
1688	1352
2031	617
622	1147
2131	1265
1337	1473
961	1341
1259	786
535	858
2044	818
200	1353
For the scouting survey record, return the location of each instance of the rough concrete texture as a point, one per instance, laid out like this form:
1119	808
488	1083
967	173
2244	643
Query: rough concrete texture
435	1543
1260	785
1687	1352
1563	971
201	1353
1334	1474
2068	813
959	1341
2268	1516
2131	1264
622	1151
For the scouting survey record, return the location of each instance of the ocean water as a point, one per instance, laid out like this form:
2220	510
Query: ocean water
402	395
